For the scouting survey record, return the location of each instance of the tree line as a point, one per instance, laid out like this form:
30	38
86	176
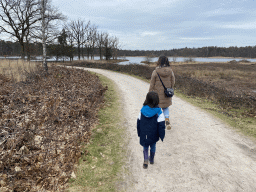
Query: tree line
33	26
59	50
98	47
211	51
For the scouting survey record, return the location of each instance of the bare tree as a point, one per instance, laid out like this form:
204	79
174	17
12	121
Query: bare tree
115	47
87	43
70	42
52	18
17	17
100	43
174	57
43	7
78	31
92	39
47	30
107	46
149	57
22	19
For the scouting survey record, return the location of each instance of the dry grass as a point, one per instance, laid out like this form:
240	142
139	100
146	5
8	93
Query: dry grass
16	70
111	61
226	75
219	74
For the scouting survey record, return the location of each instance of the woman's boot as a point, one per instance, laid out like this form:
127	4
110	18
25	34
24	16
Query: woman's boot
145	164
151	157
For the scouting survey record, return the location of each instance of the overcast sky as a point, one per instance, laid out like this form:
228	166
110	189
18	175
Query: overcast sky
167	24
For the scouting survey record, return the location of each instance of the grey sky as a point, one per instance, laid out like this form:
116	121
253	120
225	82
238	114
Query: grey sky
167	24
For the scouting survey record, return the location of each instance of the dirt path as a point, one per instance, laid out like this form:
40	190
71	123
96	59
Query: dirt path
198	154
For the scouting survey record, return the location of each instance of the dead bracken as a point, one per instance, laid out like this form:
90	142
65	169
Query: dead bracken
44	121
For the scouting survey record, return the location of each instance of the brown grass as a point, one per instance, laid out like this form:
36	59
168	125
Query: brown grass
218	74
111	61
16	70
240	77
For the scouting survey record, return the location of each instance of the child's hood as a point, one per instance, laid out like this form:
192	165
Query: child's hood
150	112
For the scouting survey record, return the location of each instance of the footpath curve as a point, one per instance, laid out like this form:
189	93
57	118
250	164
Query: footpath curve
199	153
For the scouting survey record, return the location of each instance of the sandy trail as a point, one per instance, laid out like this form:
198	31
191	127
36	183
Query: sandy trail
199	153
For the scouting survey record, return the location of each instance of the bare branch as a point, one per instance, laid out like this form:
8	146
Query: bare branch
78	30
22	19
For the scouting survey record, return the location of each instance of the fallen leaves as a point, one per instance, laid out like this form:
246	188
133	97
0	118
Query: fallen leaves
43	123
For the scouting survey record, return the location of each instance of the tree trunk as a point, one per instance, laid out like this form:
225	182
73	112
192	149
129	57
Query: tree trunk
78	48
22	50
27	49
43	35
88	53
100	53
93	47
83	51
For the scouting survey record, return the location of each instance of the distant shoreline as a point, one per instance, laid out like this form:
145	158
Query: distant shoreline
216	57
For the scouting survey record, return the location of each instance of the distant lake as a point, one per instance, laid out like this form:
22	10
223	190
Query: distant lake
137	60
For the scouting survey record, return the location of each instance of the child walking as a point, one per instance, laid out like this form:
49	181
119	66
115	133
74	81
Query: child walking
150	126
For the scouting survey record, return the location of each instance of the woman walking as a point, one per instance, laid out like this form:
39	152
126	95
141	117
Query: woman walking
166	74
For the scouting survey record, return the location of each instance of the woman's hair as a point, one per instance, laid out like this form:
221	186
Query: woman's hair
152	99
163	61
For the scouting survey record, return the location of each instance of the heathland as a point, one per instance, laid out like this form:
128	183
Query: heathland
230	87
47	119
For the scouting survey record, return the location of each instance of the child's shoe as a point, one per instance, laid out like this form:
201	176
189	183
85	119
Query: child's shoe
145	164
151	157
167	124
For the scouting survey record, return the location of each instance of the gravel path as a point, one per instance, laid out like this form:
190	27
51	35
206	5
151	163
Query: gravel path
199	153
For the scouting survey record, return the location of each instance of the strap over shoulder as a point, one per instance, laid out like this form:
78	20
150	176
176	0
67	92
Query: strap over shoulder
161	80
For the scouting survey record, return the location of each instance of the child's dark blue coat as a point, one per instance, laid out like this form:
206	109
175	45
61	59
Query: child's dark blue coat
150	125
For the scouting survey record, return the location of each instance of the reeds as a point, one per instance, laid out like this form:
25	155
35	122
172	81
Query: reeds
16	70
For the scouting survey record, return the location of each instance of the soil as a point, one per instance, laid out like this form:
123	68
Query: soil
199	153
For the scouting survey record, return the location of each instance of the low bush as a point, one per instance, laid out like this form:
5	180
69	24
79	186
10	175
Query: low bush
189	59
244	61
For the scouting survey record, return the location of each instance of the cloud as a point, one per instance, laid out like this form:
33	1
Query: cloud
245	26
196	38
222	11
149	33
